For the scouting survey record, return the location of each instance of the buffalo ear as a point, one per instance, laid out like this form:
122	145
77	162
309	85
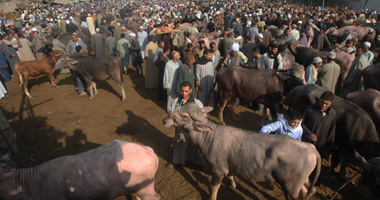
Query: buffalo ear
74	62
202	127
282	75
206	109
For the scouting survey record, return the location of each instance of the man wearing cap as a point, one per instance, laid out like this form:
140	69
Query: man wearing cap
354	79
171	78
368	53
253	32
311	71
294	32
91	24
233	58
227	43
136	54
118	30
328	73
370	37
142	38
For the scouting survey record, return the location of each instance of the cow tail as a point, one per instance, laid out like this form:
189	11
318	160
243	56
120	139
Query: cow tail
316	172
117	61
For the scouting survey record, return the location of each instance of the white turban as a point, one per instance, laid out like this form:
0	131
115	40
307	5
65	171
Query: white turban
235	47
132	35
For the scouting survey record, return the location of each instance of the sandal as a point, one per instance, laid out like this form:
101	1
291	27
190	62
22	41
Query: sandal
169	165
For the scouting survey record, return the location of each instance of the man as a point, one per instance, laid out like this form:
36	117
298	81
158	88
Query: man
205	74
233	58
160	64
123	50
39	42
291	127
136	54
319	124
184	149
159	51
171	78
238	38
253	32
117	32
215	55
73	43
248	48
111	45
56	29
368	53
258	61
58	45
202	47
354	79
295	33
98	44
287	36
187	73
142	38
91	24
81	83
275	58
328	73
70	27
260	43
267	36
227	43
150	68
211	26
311	71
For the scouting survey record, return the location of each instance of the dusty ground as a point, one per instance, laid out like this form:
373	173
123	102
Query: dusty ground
57	122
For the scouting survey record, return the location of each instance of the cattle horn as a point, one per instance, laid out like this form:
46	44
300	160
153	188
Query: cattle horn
366	165
194	111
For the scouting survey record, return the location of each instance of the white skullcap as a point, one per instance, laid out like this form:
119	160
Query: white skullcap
300	22
371	30
367	44
88	14
132	35
331	55
260	35
67	22
34	29
235	47
317	60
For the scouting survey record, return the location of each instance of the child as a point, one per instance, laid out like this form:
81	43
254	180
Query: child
291	127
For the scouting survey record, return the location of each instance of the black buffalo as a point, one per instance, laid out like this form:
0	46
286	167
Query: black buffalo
354	127
94	68
266	86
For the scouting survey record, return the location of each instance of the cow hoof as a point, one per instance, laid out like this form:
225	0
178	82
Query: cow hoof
122	99
90	98
30	96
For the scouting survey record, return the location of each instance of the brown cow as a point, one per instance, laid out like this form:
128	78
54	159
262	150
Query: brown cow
36	68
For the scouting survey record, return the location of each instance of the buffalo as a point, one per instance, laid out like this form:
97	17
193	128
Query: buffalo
368	100
95	68
115	169
229	151
371	77
266	86
354	127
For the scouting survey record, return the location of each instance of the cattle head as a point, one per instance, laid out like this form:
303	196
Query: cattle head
189	116
65	61
56	54
292	78
372	167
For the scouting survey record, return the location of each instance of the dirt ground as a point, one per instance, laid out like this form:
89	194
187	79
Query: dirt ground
58	122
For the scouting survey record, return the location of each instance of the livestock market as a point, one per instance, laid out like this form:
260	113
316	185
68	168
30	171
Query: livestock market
220	100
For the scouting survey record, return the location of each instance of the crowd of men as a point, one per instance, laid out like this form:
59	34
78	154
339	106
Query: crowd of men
150	33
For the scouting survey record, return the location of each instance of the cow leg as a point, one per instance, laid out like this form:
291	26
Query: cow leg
121	85
273	112
19	78
52	80
221	109
148	192
232	181
25	85
265	115
235	116
215	185
94	88
89	88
